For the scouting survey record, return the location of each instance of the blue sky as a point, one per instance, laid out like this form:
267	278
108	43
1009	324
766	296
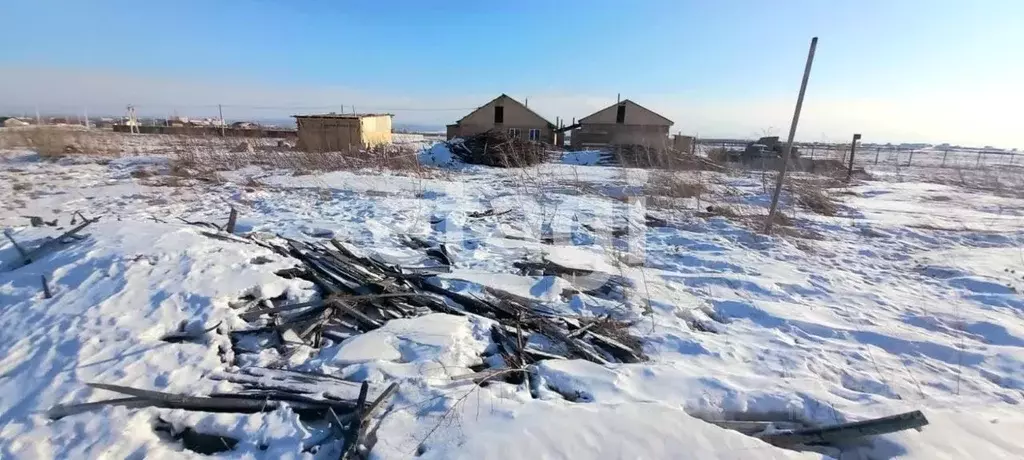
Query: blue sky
896	70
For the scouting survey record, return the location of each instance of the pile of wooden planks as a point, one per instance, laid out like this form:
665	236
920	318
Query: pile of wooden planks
362	293
497	148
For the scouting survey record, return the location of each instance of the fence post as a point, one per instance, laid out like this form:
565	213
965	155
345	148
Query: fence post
978	163
853	150
944	158
911	159
877	151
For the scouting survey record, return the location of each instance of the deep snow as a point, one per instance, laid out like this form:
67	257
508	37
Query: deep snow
908	299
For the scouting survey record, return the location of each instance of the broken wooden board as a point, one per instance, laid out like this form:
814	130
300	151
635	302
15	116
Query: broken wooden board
295	382
844	431
152	398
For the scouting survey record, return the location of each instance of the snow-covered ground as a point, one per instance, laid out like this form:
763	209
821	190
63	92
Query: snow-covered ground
908	299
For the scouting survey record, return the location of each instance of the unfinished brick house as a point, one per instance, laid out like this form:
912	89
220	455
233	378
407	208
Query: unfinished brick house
334	132
508	115
622	123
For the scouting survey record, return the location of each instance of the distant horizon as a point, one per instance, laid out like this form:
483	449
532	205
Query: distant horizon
289	122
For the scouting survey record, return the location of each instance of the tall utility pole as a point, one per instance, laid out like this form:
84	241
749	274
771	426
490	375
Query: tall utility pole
789	142
220	110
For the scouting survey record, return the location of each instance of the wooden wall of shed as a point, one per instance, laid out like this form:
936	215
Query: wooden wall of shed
328	134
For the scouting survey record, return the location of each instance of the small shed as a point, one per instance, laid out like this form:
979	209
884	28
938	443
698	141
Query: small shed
343	131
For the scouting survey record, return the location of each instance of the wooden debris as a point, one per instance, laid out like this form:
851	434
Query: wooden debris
751	428
46	288
352	433
844	431
253	314
496	148
64	410
356	436
21	251
487	213
202	443
361	293
576	345
53	242
232	218
37	221
201	224
266	401
217	235
179	337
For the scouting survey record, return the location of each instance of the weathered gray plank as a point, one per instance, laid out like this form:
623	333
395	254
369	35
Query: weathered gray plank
843	431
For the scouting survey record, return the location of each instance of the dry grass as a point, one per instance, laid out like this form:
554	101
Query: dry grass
57	141
670	184
141	173
165	181
719	155
815	199
722	211
203	157
252	183
668	189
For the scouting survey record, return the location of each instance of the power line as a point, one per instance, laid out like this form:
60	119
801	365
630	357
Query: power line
327	107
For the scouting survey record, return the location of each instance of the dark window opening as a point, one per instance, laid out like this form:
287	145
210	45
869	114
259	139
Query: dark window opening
499	114
620	114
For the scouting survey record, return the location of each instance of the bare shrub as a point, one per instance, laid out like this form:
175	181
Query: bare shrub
165	181
722	211
719	155
781	219
668	184
642	156
815	198
141	173
21	186
252	182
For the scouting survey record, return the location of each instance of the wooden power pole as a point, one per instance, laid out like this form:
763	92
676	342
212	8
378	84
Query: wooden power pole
789	142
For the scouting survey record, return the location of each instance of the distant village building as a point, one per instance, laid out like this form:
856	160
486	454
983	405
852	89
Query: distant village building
507	115
14	122
623	123
244	125
337	132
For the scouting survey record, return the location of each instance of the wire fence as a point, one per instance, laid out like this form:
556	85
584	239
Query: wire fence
892	156
958	158
218	114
